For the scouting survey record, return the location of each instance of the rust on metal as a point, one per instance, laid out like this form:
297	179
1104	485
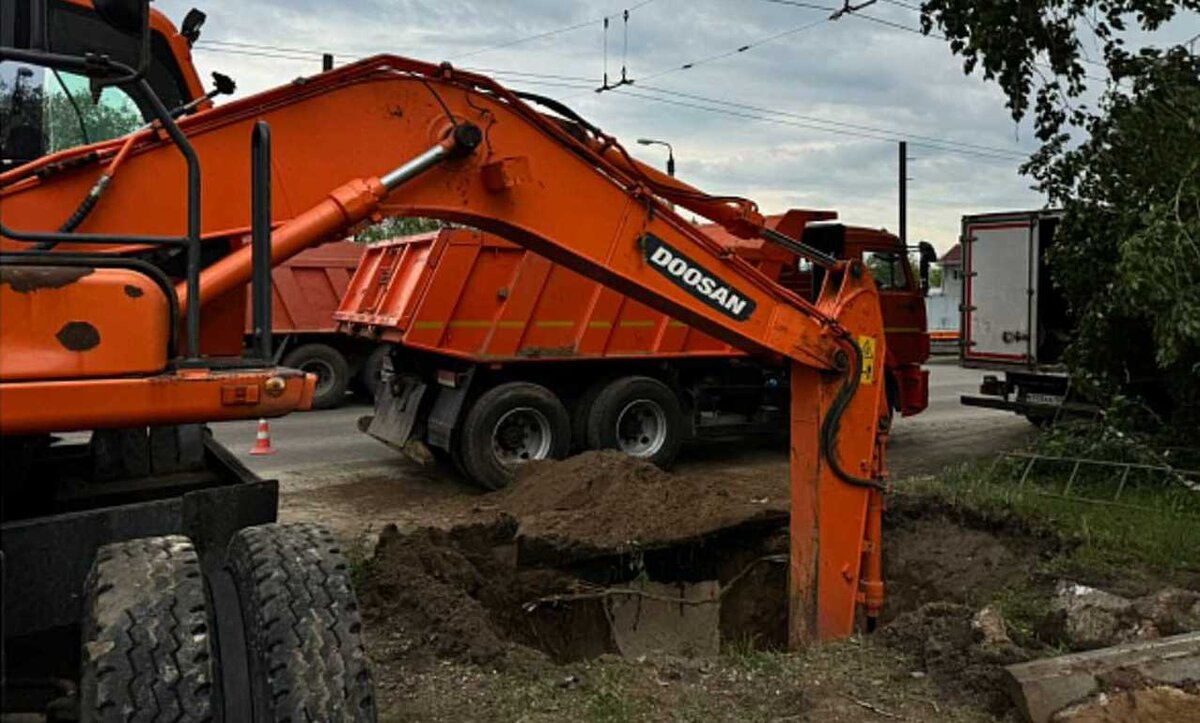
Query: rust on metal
78	336
540	352
25	279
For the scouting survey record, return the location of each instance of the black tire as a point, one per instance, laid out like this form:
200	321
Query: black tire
331	368
580	412
657	398
499	411
147	649
302	623
370	374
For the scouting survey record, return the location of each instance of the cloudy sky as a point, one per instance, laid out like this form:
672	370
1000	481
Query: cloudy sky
755	123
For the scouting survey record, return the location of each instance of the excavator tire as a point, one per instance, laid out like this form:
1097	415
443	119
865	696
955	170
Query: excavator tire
147	648
509	424
331	368
302	625
640	416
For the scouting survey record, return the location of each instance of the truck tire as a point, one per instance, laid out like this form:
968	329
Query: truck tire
147	649
331	368
509	424
302	625
640	416
580	412
370	374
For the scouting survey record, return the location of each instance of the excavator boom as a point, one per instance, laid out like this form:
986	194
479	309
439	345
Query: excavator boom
390	135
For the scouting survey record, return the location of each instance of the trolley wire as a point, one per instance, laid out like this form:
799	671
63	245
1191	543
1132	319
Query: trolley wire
719	106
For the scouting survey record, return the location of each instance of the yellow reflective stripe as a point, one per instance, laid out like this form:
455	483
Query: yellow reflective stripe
427	325
599	324
554	324
637	324
676	324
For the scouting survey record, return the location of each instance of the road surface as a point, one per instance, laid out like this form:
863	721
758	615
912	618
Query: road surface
331	472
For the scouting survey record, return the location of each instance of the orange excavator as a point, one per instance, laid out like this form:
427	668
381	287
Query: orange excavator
122	281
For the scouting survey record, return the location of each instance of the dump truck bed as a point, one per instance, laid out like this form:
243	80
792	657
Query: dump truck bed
472	295
307	289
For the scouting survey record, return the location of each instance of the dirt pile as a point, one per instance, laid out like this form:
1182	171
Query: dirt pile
601	503
455	595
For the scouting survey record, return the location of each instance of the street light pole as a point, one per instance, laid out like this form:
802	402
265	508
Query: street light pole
670	152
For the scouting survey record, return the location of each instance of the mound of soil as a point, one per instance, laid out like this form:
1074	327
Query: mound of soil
455	595
605	502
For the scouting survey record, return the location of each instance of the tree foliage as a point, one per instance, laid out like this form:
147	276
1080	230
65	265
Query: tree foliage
396	226
1126	174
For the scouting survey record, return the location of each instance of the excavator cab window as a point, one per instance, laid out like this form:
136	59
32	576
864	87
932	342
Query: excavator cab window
47	111
42	111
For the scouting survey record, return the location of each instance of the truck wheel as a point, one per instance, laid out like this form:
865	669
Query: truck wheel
371	372
302	625
580	413
331	368
511	424
640	416
147	651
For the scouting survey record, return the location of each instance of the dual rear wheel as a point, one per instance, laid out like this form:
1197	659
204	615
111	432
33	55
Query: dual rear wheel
155	650
518	422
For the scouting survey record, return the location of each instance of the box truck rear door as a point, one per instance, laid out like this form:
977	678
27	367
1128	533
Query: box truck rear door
997	290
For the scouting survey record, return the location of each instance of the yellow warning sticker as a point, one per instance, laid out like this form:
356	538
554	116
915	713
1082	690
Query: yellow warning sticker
867	345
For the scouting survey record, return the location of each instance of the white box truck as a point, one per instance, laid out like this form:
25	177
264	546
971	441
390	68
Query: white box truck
1014	321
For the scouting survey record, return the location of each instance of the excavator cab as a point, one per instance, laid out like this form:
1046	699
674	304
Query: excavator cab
125	527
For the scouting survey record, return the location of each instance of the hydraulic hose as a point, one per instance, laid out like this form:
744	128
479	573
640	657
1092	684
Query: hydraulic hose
833	420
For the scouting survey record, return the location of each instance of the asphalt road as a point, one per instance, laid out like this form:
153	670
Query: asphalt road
946	432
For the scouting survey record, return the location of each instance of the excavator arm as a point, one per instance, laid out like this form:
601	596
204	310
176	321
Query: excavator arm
391	135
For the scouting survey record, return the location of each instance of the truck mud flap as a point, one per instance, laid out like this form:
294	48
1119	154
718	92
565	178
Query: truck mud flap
395	412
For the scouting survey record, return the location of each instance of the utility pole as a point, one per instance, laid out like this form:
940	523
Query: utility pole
904	192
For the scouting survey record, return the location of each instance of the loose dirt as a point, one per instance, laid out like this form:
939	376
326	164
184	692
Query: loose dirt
580	560
603	503
935	552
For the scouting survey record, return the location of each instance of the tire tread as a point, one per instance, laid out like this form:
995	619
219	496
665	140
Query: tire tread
303	624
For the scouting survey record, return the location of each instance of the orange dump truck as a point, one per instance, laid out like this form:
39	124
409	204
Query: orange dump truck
500	356
306	290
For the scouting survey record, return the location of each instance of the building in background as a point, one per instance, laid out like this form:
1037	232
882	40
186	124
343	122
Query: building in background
942	304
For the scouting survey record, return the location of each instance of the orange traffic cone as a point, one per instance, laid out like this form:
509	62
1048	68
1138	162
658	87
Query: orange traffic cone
262	440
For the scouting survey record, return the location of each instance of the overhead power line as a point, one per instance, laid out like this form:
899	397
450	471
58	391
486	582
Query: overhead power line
549	33
892	134
797	124
697	102
729	53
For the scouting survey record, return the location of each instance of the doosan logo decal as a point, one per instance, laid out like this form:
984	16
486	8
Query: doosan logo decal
695	279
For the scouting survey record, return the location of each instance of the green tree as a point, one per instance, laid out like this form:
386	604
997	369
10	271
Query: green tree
1126	174
65	128
395	226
